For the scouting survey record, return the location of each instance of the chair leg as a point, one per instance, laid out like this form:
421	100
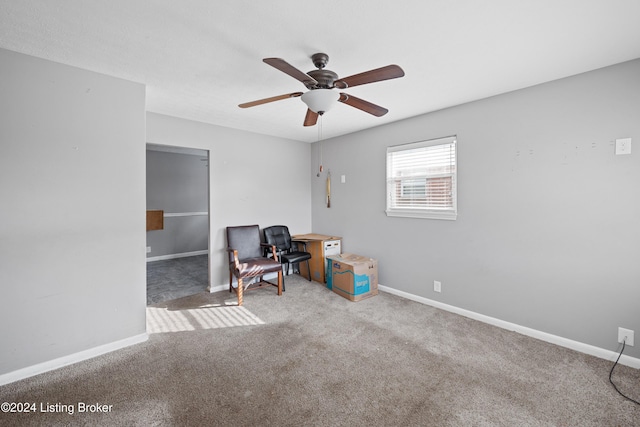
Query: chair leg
282	277
240	289
230	281
309	270
280	282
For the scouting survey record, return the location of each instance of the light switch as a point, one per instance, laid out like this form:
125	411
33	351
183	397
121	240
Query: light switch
623	146
343	179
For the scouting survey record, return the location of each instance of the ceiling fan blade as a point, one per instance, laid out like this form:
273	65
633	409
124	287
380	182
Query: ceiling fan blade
363	105
379	74
287	68
266	100
311	118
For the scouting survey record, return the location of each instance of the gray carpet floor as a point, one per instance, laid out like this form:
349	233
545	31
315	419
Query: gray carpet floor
176	278
313	358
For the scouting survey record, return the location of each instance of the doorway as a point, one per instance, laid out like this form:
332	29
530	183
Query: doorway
178	249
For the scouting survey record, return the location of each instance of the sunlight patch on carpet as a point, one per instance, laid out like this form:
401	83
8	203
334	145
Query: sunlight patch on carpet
161	320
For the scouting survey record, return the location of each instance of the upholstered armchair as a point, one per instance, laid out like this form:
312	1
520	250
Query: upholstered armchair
247	260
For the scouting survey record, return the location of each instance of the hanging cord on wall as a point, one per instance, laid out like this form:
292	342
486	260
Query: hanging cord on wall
329	188
611	373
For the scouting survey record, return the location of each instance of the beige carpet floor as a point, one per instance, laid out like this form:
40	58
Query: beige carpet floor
313	358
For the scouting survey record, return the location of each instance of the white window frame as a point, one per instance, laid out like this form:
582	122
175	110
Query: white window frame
421	209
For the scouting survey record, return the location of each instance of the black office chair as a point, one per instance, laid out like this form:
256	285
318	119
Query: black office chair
287	249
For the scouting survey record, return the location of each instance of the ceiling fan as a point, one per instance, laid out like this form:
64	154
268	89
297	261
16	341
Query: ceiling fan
322	84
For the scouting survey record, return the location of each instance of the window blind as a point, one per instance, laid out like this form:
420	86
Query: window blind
421	179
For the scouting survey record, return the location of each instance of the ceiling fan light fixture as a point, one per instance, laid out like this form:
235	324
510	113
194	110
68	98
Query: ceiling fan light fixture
324	85
320	100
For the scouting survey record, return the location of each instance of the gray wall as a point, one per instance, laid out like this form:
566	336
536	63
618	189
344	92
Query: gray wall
548	230
177	183
253	179
547	234
72	224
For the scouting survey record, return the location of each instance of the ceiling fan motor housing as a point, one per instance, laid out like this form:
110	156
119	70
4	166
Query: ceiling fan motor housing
325	79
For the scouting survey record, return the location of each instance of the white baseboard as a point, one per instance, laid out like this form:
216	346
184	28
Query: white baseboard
543	336
50	365
174	256
218	288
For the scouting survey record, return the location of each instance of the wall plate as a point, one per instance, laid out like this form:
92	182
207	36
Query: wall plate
623	146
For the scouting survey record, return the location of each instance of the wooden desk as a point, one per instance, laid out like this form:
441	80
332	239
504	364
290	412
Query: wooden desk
319	246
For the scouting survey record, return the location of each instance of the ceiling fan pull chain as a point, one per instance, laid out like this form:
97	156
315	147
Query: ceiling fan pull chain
320	146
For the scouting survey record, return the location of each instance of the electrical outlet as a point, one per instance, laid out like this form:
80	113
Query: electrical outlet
437	286
148	249
628	333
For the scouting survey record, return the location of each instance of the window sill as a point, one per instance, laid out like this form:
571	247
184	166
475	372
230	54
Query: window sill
448	215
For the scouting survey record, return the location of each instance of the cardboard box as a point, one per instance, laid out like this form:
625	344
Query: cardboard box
352	276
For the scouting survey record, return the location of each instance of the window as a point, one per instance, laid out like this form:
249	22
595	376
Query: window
421	179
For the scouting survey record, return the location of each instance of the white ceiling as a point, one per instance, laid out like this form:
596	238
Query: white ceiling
201	58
